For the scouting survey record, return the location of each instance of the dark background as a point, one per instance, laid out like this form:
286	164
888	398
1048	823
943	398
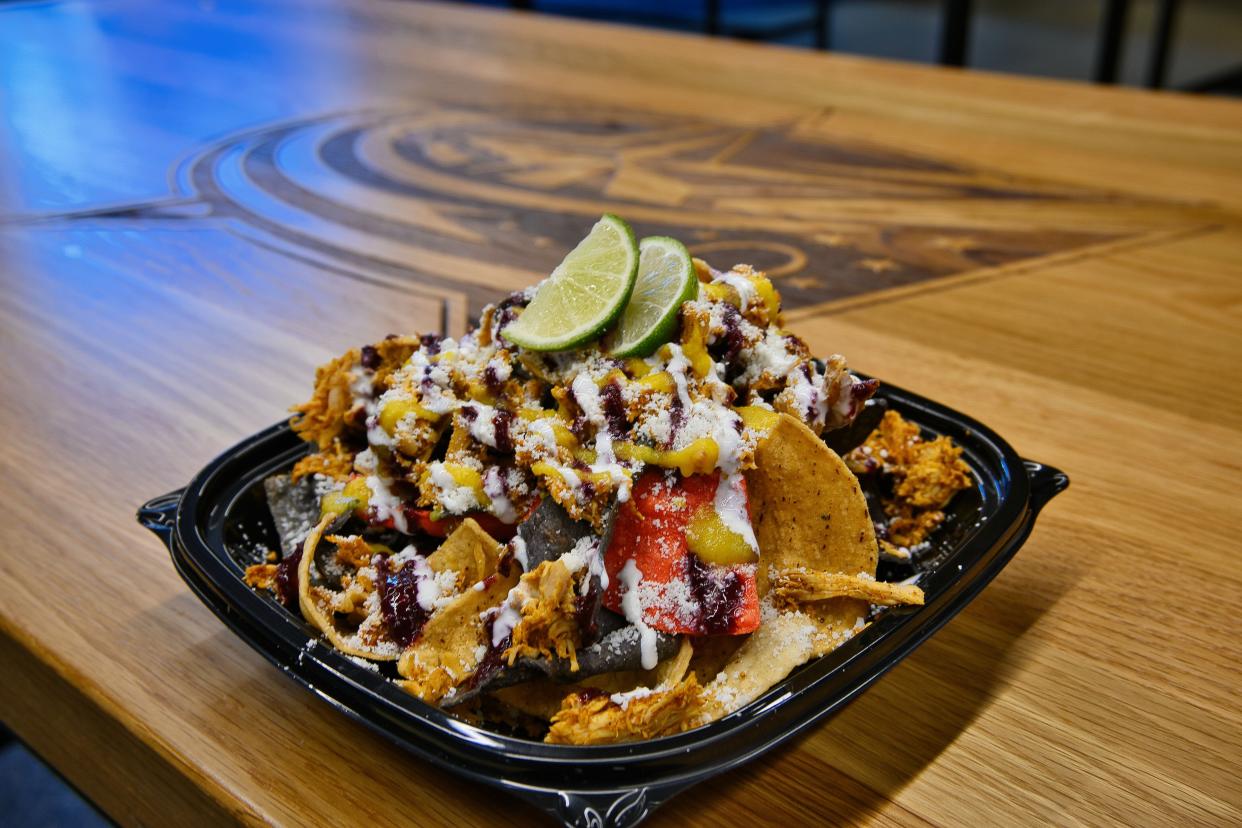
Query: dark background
1091	40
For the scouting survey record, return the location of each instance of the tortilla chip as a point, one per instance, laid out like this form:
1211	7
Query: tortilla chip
541	698
712	653
549	532
663	676
802	586
809	513
319	607
807	506
670	671
469	551
294	508
453	642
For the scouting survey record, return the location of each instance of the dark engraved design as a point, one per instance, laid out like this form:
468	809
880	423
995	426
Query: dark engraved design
464	204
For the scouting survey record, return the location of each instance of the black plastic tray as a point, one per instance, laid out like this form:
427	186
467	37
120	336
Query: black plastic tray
206	524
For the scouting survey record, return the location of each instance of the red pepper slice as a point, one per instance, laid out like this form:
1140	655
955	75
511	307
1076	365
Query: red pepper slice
680	593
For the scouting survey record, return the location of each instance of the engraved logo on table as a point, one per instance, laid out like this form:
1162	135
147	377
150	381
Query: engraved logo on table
481	200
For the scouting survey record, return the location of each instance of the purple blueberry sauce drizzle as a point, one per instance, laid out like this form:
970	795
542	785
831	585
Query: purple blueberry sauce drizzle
718	592
398	593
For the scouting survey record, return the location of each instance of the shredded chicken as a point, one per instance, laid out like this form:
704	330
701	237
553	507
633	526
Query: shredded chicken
595	719
392	354
321	419
429	682
261	576
453	642
352	550
591	509
336	462
797	586
909	526
926	474
549	625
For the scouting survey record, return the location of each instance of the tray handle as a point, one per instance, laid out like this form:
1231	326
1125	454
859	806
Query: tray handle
159	514
1046	483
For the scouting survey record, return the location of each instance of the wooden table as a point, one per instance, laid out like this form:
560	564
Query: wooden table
199	203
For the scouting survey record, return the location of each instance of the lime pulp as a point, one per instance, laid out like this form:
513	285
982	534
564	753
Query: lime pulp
585	293
665	280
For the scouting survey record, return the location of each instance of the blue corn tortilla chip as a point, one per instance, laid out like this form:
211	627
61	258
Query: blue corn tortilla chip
294	508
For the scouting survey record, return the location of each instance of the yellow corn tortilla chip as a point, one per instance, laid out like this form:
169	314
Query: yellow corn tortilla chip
315	605
672	670
809	513
450	647
781	643
807	506
468	551
711	653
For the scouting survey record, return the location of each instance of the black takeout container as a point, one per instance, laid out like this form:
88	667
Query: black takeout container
210	528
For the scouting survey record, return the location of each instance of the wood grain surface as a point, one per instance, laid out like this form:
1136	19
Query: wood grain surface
200	202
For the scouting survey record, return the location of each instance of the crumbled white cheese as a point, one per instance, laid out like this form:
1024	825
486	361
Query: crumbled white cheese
625	698
770	355
483	425
500	369
366	462
543	442
452	497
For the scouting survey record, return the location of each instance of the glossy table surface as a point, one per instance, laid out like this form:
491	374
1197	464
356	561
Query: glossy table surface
200	202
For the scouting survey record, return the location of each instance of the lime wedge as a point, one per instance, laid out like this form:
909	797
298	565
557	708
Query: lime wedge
665	280
584	295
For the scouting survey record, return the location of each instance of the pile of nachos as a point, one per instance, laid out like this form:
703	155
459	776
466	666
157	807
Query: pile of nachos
584	546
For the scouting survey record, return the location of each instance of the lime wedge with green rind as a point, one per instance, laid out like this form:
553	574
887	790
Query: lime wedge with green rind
665	280
585	293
